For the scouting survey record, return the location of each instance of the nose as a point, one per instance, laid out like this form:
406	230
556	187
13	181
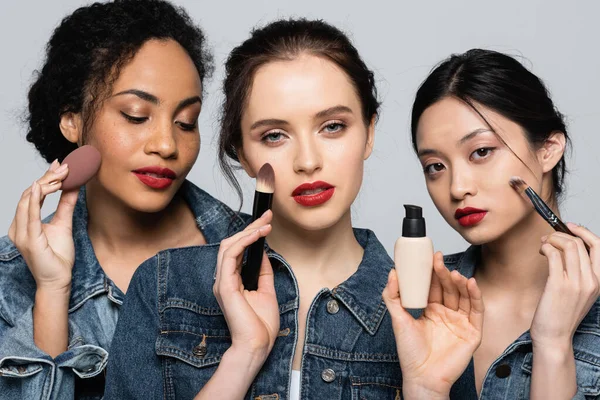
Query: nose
462	184
162	141
308	158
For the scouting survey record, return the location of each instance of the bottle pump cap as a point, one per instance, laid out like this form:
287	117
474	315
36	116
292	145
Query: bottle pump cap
413	224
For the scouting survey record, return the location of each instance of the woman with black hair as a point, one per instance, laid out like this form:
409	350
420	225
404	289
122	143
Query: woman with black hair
479	119
127	78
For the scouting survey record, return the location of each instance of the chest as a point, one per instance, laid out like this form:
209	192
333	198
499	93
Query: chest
337	356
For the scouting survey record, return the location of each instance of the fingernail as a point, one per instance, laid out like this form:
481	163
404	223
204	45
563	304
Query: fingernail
544	238
54	165
572	225
62	168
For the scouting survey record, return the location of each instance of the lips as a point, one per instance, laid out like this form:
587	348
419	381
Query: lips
469	216
155	177
313	194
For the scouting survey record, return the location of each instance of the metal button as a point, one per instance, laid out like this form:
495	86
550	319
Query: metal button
328	375
503	371
200	350
333	307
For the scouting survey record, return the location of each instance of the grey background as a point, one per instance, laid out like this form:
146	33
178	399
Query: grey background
401	41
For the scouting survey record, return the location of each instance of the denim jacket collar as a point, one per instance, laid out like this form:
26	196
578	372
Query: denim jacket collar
370	277
214	219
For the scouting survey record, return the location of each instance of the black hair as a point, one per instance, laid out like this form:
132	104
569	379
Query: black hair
84	57
502	84
285	39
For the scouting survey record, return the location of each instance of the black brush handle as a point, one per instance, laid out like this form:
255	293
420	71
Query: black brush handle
542	208
251	271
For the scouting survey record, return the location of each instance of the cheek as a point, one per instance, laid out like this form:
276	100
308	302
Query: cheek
439	191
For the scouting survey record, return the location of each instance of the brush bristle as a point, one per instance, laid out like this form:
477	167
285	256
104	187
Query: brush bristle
265	179
517	183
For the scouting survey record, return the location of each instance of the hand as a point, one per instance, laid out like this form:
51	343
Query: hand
435	349
48	249
252	316
571	289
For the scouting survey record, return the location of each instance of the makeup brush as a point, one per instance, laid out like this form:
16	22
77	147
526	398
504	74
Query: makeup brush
518	184
263	198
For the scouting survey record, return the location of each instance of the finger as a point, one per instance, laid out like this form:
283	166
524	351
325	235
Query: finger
393	302
34	223
556	271
55	164
464	302
449	290
21	217
64	210
592	240
435	290
56	175
567	244
260	221
477	307
231	256
266	278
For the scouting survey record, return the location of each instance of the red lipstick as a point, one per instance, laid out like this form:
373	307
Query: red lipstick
155	177
469	216
313	194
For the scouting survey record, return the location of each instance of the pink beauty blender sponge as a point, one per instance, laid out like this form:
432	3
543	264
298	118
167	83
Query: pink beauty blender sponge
84	163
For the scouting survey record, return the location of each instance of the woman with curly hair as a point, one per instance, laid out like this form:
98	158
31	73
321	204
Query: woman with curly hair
127	78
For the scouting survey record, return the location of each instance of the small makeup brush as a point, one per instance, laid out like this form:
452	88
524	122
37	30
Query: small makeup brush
518	184
263	198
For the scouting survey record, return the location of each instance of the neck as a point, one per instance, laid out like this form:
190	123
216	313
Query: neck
513	262
114	226
332	253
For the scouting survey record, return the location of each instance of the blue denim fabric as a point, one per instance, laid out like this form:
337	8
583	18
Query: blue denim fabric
172	334
26	372
509	377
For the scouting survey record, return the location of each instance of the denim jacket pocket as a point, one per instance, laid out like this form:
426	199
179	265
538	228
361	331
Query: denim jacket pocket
370	388
588	374
197	336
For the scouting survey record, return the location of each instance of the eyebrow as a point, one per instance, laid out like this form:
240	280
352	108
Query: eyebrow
462	141
471	135
321	114
154	100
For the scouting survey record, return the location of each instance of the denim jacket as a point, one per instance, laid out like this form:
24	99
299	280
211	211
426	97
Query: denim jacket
26	372
509	377
172	334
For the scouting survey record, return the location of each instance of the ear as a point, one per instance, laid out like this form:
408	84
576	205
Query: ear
370	137
244	163
71	126
551	151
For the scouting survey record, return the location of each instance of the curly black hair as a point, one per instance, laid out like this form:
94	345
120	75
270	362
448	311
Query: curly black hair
84	57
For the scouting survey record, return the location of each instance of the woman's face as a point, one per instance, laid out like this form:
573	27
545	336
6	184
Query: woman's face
147	130
467	166
304	117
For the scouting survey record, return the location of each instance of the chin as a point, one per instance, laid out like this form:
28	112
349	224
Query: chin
479	235
151	203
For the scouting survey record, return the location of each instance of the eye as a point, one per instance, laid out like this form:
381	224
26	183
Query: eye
433	169
334	127
134	120
272	137
482	153
187	127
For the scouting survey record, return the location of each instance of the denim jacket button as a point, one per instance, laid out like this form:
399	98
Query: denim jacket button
328	375
333	307
503	371
200	350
